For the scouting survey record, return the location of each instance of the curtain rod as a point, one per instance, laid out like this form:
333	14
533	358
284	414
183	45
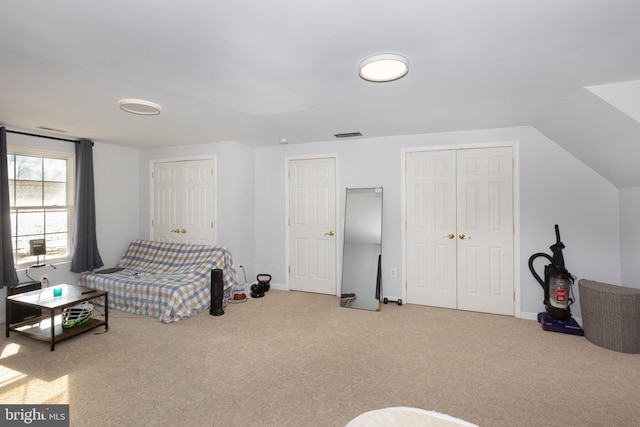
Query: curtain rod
43	136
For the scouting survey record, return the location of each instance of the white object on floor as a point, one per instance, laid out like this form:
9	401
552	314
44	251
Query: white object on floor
403	416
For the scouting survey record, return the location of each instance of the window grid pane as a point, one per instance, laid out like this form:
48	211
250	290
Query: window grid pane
56	220
55	170
28	168
28	193
55	193
11	165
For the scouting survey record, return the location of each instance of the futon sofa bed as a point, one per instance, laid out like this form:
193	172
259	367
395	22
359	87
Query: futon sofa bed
169	281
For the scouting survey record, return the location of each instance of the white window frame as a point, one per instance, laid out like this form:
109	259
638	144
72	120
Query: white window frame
71	167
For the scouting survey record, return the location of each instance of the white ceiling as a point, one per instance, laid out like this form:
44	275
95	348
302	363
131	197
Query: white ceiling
257	71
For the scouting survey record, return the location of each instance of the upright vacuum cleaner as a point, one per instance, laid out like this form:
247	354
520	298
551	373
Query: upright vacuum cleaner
558	295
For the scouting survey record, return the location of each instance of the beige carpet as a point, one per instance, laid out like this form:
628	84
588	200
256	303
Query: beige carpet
297	359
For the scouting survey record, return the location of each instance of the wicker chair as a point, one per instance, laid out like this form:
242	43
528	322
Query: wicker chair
610	315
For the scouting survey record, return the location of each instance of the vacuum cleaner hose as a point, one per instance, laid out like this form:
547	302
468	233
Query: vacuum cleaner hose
533	271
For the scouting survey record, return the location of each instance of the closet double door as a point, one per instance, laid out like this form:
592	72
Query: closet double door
459	229
183	201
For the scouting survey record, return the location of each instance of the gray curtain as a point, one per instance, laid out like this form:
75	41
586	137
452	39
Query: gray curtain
9	275
85	255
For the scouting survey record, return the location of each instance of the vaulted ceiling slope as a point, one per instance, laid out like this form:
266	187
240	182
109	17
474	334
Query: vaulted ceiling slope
600	126
256	71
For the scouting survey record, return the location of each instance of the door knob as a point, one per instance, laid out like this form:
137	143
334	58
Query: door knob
462	236
183	231
331	233
450	236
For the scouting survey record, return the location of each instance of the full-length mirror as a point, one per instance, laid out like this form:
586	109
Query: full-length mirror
361	278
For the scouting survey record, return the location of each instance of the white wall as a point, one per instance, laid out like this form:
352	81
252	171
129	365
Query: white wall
554	188
630	236
235	195
117	186
117	189
557	188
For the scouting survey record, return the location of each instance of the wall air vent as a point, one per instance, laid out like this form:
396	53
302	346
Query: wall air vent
347	135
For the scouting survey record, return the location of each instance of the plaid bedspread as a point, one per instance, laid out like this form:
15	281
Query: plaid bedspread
170	281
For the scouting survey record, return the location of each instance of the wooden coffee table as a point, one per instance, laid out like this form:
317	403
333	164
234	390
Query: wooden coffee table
49	328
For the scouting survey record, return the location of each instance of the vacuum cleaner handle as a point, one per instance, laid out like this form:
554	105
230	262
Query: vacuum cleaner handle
558	258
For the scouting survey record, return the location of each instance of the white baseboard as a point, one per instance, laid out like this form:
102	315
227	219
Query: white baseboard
528	316
278	286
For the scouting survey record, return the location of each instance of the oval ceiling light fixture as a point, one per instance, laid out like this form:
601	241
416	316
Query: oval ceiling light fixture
384	68
140	106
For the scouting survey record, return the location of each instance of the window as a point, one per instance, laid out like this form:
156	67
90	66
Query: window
41	198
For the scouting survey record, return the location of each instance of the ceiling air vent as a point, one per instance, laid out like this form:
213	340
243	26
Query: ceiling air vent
51	129
347	135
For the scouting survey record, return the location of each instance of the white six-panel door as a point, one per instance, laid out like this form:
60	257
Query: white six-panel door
184	202
431	228
459	214
312	225
485	230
